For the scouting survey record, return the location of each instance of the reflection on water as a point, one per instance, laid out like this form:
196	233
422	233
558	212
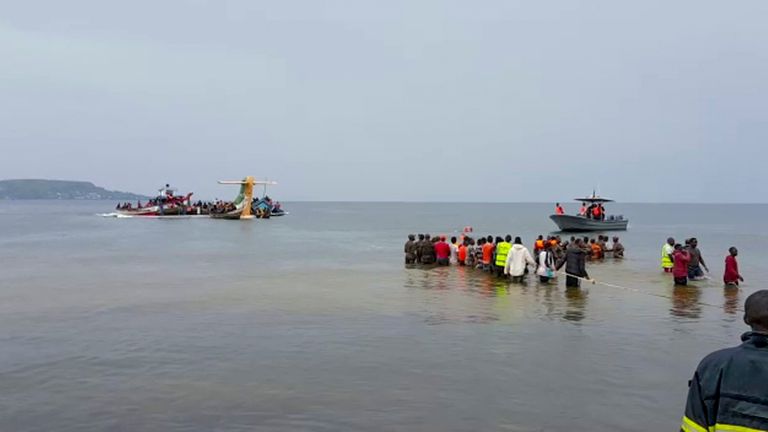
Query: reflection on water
469	295
577	301
685	302
731	300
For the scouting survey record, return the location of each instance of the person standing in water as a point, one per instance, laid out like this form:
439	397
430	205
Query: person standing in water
667	250
697	261
442	252
575	260
546	269
680	258
618	249
728	389
732	275
502	250
410	249
517	261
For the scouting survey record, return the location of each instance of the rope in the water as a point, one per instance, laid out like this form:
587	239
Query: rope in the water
639	291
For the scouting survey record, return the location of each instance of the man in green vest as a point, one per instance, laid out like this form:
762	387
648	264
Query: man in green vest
502	250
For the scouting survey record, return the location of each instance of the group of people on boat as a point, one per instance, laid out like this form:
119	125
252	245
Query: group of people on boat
595	211
506	257
685	262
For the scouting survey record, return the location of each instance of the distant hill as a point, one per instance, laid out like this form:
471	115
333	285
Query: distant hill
60	189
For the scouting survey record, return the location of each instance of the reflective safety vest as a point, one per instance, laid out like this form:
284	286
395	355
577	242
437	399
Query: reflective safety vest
502	250
666	261
728	390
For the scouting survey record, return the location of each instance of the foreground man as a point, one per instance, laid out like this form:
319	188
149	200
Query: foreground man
729	391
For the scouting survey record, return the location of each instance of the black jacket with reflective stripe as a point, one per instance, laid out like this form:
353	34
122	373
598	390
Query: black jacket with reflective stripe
730	388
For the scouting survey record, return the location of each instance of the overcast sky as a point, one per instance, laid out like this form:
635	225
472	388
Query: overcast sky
413	100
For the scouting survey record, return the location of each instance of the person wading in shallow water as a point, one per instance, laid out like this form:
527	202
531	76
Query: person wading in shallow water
732	275
729	390
410	249
575	260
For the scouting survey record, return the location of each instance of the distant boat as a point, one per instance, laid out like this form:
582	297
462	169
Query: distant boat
576	223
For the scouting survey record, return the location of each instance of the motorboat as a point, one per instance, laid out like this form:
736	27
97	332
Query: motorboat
581	223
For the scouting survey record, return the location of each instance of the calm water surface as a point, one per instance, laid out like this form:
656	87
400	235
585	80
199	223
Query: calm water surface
311	322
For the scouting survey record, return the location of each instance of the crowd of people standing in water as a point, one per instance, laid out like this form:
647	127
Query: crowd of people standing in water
685	262
507	257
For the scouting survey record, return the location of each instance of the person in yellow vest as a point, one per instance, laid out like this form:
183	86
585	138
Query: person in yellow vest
666	255
502	250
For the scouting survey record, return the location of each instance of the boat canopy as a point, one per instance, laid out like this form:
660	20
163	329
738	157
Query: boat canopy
594	199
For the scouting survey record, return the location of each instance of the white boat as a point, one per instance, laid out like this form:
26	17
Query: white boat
576	223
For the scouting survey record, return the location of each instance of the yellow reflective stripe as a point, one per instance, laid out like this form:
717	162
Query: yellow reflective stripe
691	426
734	428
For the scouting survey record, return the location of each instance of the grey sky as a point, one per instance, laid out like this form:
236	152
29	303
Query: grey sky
391	100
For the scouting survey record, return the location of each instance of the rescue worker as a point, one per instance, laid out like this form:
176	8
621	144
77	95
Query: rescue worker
410	249
728	389
618	249
666	255
502	250
559	209
575	264
427	251
732	275
517	261
583	209
417	248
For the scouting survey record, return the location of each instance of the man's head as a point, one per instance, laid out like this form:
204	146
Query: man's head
508	238
733	251
756	311
421	236
518	240
557	204
540	237
615	239
499	239
678	247
671	241
442	238
427	236
693	242
489	239
453	239
411	237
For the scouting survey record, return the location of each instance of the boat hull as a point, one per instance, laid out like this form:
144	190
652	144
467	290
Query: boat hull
571	223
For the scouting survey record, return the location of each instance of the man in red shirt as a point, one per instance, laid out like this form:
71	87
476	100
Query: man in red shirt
731	275
443	252
681	259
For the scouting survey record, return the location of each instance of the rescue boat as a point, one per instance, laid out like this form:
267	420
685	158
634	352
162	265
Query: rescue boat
579	223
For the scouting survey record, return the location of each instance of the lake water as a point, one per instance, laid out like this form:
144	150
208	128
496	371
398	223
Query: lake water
312	322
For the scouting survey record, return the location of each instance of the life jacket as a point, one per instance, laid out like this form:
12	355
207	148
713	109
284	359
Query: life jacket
666	261
502	250
462	253
539	245
559	210
597	251
596	211
553	243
